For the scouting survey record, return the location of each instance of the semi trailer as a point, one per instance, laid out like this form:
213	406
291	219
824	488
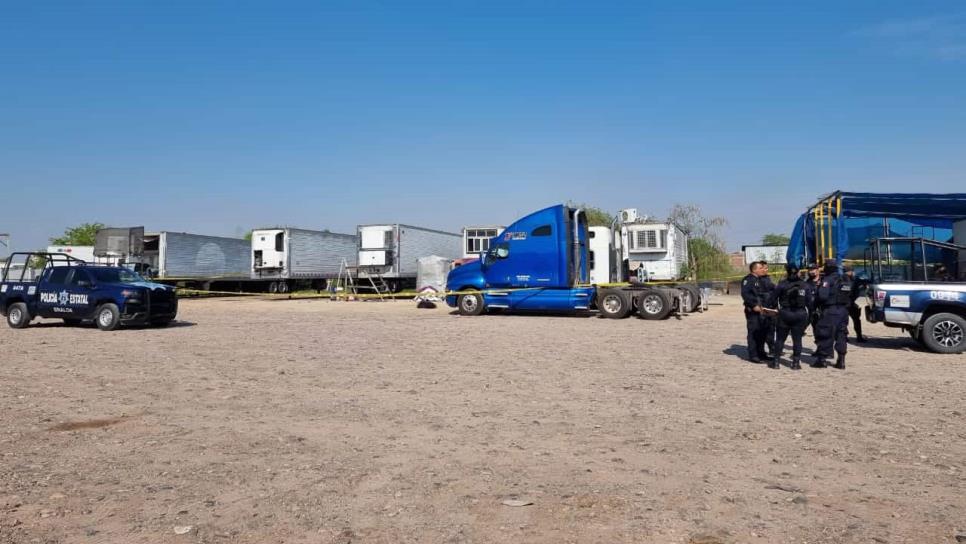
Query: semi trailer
542	263
286	259
391	251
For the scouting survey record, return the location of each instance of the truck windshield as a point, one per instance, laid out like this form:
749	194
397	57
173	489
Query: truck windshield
115	275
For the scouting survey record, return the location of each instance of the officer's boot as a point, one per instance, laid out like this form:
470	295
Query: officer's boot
819	363
796	363
840	362
775	362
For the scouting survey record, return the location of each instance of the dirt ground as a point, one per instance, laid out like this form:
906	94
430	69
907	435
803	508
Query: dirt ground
314	421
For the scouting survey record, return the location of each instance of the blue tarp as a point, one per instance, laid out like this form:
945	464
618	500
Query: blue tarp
874	215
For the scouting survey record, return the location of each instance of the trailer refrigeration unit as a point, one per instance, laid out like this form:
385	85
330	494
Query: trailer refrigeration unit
289	258
391	251
542	263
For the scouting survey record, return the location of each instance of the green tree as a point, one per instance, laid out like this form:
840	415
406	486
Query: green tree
596	217
772	239
707	258
248	235
81	235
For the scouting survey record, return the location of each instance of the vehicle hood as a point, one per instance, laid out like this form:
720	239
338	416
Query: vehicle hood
467	275
146	285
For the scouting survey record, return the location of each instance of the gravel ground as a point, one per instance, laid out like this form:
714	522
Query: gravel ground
260	421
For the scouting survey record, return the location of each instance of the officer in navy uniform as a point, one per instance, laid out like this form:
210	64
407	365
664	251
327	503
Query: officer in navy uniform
811	292
791	299
754	295
834	298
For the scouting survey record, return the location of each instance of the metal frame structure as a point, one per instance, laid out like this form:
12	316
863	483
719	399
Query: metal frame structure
49	260
874	257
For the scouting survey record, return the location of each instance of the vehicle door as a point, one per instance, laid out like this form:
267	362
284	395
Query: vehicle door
80	297
52	296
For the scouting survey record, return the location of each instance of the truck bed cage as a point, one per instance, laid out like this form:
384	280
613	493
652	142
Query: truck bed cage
50	259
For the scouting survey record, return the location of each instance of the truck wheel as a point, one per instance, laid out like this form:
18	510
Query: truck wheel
695	294
72	321
18	317
945	333
283	287
470	304
614	304
108	317
654	304
273	287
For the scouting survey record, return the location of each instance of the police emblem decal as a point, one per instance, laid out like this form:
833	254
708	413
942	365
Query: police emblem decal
63	298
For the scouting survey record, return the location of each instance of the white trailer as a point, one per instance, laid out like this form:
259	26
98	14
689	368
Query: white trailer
391	251
288	257
84	253
651	250
476	240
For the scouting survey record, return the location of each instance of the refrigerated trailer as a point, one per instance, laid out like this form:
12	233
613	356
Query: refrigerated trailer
391	251
178	258
289	258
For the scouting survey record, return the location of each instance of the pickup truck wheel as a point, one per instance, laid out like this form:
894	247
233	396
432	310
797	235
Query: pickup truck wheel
614	304
945	333
18	317
108	317
470	304
654	304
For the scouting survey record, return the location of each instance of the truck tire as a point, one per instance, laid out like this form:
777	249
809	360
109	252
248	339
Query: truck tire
18	317
695	294
470	304
273	287
614	303
283	287
107	317
945	333
654	304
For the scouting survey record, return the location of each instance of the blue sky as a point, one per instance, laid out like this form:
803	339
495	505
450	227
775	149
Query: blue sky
218	117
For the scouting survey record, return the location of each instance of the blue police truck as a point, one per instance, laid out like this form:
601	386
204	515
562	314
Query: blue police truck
919	285
540	263
76	291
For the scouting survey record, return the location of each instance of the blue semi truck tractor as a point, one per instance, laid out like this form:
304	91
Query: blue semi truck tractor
540	264
75	291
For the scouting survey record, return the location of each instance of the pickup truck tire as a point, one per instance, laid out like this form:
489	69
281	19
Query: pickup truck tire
470	304
654	304
614	304
945	333
107	316
18	317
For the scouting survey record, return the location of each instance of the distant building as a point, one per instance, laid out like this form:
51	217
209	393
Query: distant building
769	254
737	260
476	240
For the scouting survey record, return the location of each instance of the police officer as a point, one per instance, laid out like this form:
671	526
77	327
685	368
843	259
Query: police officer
754	295
811	292
791	299
858	286
834	297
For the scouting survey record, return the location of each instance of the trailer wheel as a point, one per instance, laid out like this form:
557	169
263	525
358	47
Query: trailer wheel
654	304
18	317
470	304
273	287
945	333
108	317
695	295
614	304
283	287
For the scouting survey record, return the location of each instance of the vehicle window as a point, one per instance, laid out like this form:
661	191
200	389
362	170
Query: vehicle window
58	275
115	275
280	241
543	230
499	251
592	234
79	277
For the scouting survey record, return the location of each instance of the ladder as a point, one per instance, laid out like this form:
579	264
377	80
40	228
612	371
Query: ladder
351	286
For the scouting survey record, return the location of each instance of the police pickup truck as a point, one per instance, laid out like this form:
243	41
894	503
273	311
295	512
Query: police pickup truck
917	286
75	291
